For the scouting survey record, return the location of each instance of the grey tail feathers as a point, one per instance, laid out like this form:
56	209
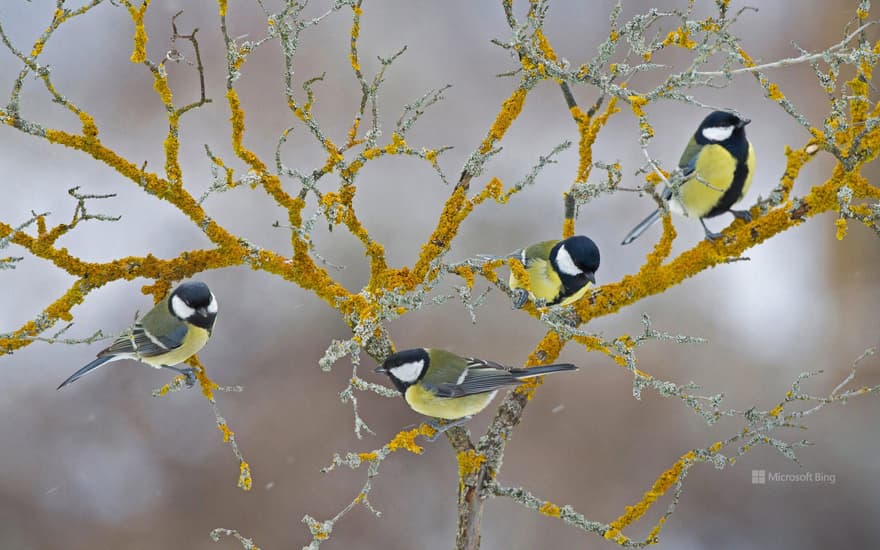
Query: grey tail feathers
642	227
531	372
87	369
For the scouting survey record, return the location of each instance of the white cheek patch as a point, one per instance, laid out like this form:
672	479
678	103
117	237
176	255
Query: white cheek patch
408	372
212	307
565	263
717	133
180	309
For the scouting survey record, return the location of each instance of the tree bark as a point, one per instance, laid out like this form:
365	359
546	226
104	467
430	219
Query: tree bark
470	514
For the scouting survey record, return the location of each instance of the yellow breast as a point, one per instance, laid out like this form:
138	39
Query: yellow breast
195	340
543	280
576	296
450	408
546	284
713	175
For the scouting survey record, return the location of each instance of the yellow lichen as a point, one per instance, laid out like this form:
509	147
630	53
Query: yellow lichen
407	439
334	157
397	145
467	274
858	102
652	534
38	48
710	25
455	210
245	481
588	131
747	59
352	133
636	103
469	463
208	386
550	509
544	45
510	109
224	429
354	33
774	93
518	270
139	51
567	228
680	37
840	223
666	480
592	343
494	189
547	350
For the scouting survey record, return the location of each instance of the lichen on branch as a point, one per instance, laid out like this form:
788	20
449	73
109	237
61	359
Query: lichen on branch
326	188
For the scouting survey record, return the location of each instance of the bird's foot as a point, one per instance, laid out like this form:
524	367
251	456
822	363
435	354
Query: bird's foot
520	295
446	425
742	215
188	373
710	235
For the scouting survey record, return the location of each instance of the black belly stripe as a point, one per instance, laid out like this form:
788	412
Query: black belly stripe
734	192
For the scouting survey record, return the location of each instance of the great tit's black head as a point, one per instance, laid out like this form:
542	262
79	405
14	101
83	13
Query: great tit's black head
193	302
721	126
406	367
576	260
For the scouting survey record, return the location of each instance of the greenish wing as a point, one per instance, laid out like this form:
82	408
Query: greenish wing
159	320
481	377
688	160
445	367
539	251
139	342
165	328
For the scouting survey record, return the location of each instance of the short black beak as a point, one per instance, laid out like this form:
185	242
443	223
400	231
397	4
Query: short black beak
743	122
591	277
380	370
203	312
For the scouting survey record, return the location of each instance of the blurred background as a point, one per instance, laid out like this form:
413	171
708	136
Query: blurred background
103	464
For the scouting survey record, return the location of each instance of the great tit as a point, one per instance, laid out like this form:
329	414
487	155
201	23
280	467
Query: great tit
441	384
170	333
560	272
718	163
